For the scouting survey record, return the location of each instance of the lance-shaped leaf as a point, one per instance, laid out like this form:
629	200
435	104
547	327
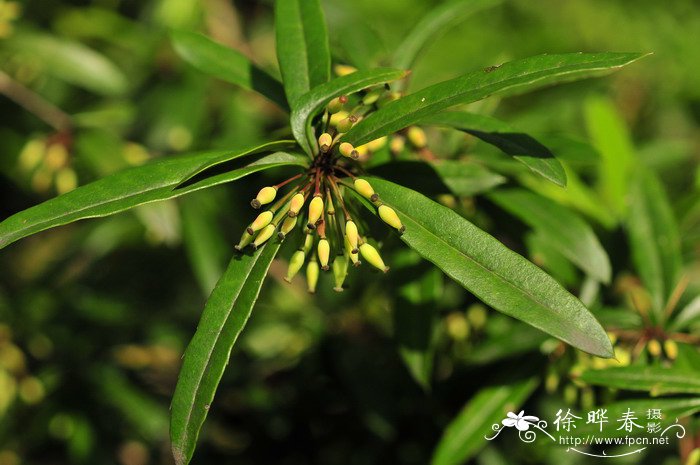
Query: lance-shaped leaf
433	25
498	276
522	147
671	410
303	52
311	103
225	314
152	182
227	64
568	233
654	238
467	433
529	73
656	380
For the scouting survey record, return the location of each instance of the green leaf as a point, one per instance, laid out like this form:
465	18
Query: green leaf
656	380
547	257
303	52
433	25
70	61
687	316
654	238
152	182
498	276
224	316
227	64
311	103
529	73
671	409
564	230
465	435
611	138
522	147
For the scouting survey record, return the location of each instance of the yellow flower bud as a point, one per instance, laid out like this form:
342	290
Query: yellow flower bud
344	70
265	196
260	222
671	349
308	243
377	144
344	125
373	96
351	235
295	264
417	137
324	253
287	226
295	204
365	189
315	211
335	105
338	117
264	235
354	257
325	141
330	207
654	348
347	150
370	254
312	275
397	145
246	239
340	271
389	216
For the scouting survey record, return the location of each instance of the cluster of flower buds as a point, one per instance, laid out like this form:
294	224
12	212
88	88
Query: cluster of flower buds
334	235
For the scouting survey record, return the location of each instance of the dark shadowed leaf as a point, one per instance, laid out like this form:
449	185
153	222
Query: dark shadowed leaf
498	276
225	314
522	147
563	229
227	64
529	73
465	435
302	46
311	103
152	182
434	24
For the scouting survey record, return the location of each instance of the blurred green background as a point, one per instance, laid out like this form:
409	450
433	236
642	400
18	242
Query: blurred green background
94	316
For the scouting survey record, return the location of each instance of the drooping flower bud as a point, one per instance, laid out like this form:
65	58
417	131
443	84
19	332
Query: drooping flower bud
324	253
336	105
295	264
365	189
265	196
370	254
287	226
376	144
325	141
354	257
315	211
344	70
295	204
246	239
671	349
340	272
417	137
389	216
397	145
330	206
260	222
351	235
338	117
312	275
344	125
264	235
347	150
373	96
308	243
654	348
